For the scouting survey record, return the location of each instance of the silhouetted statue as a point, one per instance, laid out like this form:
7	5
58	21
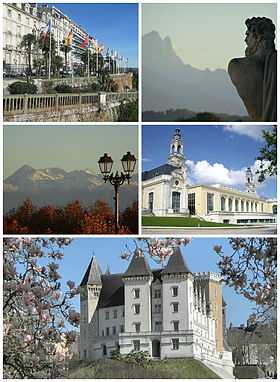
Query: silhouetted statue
254	76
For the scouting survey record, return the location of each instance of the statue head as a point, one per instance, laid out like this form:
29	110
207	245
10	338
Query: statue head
260	35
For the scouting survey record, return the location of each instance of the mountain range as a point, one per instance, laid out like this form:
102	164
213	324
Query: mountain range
169	83
58	187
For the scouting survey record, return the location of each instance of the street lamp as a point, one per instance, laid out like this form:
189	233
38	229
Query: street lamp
105	164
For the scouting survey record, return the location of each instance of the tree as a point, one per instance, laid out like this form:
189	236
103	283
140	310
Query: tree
35	309
65	49
28	41
268	155
44	45
129	218
251	269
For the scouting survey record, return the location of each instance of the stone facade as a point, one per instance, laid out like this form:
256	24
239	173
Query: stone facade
20	19
166	191
169	312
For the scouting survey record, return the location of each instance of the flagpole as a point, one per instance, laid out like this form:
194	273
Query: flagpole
88	57
50	47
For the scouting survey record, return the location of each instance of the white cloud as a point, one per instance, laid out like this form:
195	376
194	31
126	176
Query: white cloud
252	131
146	160
203	172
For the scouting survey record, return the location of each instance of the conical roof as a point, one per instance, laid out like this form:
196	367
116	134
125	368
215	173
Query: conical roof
93	273
138	266
176	263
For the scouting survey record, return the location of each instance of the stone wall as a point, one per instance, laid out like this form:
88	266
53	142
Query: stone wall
85	114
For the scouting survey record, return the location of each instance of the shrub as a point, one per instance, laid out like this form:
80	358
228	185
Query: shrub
20	87
63	88
95	87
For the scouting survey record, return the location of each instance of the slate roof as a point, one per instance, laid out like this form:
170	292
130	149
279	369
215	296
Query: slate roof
138	267
93	273
176	263
112	292
165	169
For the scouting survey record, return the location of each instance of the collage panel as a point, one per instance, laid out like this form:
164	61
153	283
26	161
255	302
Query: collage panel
72	179
209	62
61	64
124	301
195	180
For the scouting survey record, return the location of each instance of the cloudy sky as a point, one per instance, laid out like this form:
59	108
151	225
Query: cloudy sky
71	147
204	35
214	154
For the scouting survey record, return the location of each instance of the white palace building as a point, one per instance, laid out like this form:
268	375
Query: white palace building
166	191
169	312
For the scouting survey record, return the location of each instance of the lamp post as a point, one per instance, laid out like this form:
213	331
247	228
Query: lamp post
105	164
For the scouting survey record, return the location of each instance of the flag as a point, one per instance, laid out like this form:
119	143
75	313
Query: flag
85	42
49	25
68	39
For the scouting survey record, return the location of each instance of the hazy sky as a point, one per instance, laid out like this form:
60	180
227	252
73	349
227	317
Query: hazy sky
199	256
204	35
67	147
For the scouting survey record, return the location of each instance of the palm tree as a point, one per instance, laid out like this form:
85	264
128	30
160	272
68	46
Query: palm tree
28	41
65	49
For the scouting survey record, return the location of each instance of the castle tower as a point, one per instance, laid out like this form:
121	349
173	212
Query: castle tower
176	154
211	283
137	295
250	185
177	288
90	290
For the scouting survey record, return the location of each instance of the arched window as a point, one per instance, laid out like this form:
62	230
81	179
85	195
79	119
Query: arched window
173	149
179	148
176	196
223	203
230	204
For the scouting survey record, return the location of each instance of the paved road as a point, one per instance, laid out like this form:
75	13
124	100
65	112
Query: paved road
264	230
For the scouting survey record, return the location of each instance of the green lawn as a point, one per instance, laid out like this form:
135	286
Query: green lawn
166	369
158	221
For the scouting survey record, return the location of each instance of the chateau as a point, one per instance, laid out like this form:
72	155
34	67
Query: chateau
166	191
169	312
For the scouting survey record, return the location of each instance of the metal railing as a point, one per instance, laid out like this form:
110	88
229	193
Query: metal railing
26	103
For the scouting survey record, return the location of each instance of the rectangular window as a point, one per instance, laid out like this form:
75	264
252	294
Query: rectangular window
107	316
137	293
114	330
176	326
115	313
191	203
157	308
137	308
210	202
175	306
136	345
175	343
158	326
174	291
157	293
137	327
9	13
102	332
107	331
121	328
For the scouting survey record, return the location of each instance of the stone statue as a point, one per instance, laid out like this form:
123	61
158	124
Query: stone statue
254	76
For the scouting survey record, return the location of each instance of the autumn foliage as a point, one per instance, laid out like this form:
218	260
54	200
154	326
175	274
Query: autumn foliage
71	219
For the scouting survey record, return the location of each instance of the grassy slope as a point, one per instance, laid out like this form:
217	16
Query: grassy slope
177	368
179	222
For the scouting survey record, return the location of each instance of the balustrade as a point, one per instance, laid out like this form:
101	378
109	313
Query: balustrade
16	104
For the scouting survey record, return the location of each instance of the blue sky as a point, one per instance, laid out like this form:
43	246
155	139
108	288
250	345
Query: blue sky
114	25
233	147
199	256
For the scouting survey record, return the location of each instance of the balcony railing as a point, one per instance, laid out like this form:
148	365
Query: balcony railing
17	104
